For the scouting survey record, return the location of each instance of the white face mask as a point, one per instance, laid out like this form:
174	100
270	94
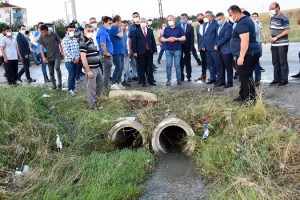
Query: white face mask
71	34
150	23
94	26
136	20
89	35
8	34
272	13
143	25
22	32
206	20
231	19
171	23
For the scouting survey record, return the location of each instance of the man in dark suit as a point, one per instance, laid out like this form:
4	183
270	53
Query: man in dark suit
208	43
224	34
187	47
24	49
143	48
200	32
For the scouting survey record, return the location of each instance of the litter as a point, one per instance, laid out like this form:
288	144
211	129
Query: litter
58	143
206	132
125	118
46	96
18	172
25	169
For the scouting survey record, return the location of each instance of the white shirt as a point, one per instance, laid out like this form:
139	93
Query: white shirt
207	25
1	36
220	28
144	30
10	47
95	40
201	29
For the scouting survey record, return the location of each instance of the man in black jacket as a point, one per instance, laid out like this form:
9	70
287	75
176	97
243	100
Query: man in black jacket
143	48
187	47
24	49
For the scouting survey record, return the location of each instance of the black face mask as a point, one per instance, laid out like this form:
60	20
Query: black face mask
201	21
137	25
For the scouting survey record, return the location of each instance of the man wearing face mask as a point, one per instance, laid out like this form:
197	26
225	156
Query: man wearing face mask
246	50
143	47
208	43
161	44
186	47
116	34
25	52
173	36
91	62
279	31
133	26
71	51
94	24
106	49
200	33
195	54
223	47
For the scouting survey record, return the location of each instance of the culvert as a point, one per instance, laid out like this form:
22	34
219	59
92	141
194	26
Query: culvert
173	135
128	134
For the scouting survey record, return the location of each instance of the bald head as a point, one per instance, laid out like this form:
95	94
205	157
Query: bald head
274	6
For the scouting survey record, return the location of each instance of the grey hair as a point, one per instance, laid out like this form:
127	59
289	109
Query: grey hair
88	26
210	13
171	16
144	18
92	18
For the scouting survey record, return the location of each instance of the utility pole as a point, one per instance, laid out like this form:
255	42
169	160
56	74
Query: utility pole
66	8
161	13
74	14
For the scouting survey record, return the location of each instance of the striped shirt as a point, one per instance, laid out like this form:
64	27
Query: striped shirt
277	26
71	48
87	46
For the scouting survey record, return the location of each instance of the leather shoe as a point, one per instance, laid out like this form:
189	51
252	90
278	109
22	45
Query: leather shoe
273	83
153	84
179	83
210	82
228	86
219	84
238	99
296	76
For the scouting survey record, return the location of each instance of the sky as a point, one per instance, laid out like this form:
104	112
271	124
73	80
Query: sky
50	10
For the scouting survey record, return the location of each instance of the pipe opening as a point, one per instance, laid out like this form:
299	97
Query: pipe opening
173	139
128	137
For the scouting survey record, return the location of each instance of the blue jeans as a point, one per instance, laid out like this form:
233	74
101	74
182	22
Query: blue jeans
133	66
176	55
44	69
118	61
71	67
32	55
162	50
257	72
212	63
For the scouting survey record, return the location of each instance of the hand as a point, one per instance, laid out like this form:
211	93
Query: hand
45	60
216	48
191	52
240	61
26	57
203	49
135	55
265	42
62	55
107	54
5	60
199	49
21	59
171	39
130	52
160	44
155	53
90	74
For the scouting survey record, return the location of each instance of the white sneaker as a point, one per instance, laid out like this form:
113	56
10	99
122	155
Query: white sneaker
115	87
75	91
121	86
72	93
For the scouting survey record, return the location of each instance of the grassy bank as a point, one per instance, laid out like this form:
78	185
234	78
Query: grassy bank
252	152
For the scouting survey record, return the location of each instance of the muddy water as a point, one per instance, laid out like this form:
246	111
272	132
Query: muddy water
175	178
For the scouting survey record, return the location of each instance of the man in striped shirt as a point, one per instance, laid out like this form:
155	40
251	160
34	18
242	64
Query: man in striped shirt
71	51
279	31
91	62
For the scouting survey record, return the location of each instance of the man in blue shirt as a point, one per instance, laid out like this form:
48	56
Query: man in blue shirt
116	34
105	49
246	50
173	36
135	24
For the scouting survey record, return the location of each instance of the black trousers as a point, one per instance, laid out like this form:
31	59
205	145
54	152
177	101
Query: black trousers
247	90
204	62
25	68
280	63
186	60
145	66
11	70
196	55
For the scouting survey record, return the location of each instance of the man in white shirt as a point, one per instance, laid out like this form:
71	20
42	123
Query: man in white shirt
200	32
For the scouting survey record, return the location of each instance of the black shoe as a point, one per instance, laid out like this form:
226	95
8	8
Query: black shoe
179	83
228	86
262	69
135	79
282	84
31	80
189	80
296	76
168	83
158	62
130	80
219	84
238	99
273	83
19	79
81	74
144	85
124	83
199	63
236	76
211	82
257	83
153	84
59	87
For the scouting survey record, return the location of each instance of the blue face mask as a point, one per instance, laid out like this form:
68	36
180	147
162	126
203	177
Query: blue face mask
109	27
220	23
183	21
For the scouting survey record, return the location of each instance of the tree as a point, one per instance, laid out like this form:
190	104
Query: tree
2	26
60	27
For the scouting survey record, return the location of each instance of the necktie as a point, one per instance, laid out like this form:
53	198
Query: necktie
145	34
184	27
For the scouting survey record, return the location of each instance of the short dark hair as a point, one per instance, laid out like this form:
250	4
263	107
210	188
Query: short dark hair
184	15
44	28
69	27
19	27
125	22
27	32
246	13
235	8
40	23
8	28
106	19
135	13
220	14
277	5
116	18
200	14
255	13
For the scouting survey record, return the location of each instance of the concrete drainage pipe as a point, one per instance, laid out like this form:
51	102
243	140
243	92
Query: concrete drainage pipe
173	135
128	134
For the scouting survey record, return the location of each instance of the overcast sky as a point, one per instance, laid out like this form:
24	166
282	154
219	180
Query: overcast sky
49	10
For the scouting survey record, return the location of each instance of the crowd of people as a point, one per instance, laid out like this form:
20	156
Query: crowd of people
224	45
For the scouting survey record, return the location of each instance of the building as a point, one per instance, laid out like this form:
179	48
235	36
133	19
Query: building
12	15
